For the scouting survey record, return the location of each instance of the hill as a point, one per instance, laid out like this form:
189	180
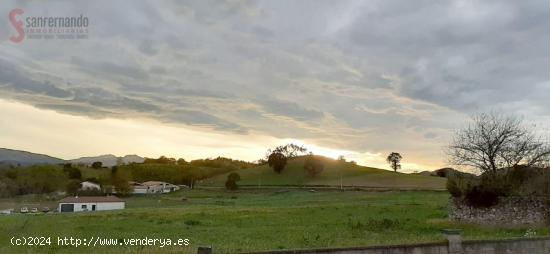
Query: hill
23	158
446	173
109	160
350	175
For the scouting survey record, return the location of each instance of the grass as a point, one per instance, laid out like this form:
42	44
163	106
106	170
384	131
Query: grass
352	175
255	220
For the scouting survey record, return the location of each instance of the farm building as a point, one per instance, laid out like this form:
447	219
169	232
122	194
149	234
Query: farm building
98	203
160	187
152	187
86	185
139	188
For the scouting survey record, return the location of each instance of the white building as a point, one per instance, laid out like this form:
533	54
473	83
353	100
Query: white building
152	187
89	186
98	203
160	187
139	188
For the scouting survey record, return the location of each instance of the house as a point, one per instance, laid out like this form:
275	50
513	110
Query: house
97	203
151	187
160	187
89	186
139	188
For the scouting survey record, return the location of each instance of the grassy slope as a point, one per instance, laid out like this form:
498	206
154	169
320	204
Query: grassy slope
352	175
255	220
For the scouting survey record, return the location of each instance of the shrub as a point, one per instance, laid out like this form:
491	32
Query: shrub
192	222
482	196
453	188
313	165
231	183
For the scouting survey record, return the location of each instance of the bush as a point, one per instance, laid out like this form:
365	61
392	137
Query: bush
454	188
192	222
485	190
231	183
313	165
482	196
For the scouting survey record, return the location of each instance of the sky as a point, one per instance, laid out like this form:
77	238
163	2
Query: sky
197	79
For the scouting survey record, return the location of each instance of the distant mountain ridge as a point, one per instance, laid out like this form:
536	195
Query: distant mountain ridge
109	160
24	158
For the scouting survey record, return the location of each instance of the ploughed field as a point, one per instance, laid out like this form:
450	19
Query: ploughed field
250	220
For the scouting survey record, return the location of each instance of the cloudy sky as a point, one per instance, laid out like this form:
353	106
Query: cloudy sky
205	78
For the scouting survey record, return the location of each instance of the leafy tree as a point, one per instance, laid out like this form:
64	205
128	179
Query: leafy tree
72	173
161	160
277	158
97	165
120	180
231	183
341	158
493	141
277	161
72	187
182	161
394	159
313	165
8	187
288	150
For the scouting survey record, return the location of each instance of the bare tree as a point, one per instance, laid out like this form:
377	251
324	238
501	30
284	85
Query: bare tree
492	141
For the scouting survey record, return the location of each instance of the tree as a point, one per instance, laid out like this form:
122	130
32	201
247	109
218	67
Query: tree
161	160
182	161
313	165
341	158
120	180
492	141
231	183
97	165
277	158
394	159
72	173
277	161
72	187
288	150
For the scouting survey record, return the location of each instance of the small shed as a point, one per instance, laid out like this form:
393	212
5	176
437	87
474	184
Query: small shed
95	203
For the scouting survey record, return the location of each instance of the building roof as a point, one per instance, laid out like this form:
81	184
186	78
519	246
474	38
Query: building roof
150	183
93	199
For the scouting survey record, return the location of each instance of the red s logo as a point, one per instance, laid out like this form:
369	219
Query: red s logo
18	25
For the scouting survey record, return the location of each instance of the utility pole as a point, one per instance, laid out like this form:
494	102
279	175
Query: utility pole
341	186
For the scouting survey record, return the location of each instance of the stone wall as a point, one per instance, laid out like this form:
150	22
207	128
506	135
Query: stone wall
508	211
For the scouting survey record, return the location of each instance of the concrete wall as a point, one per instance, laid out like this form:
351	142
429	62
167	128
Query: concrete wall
431	248
512	246
453	245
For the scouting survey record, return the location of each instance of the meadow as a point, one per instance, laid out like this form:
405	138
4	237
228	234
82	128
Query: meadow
253	220
335	173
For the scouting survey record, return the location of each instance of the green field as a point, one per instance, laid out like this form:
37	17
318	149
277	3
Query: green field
253	220
350	175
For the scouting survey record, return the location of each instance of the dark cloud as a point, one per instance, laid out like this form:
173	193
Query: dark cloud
146	47
289	108
201	119
338	72
109	68
106	99
12	78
